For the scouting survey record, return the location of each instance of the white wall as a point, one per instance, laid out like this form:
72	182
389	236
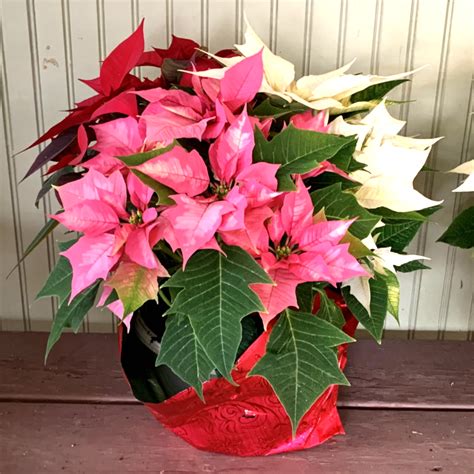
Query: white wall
48	44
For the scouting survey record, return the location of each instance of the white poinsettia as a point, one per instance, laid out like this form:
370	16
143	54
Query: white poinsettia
468	184
392	161
331	90
383	259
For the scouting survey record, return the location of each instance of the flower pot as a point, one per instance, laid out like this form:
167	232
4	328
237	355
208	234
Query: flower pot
246	419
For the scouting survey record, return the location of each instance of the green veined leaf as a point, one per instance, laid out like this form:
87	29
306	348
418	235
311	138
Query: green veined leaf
59	280
397	236
298	151
300	361
329	311
163	192
339	205
215	297
305	296
393	293
140	158
356	247
42	234
182	352
328	179
461	231
71	315
421	215
412	267
55	179
270	107
373	321
376	92
111	298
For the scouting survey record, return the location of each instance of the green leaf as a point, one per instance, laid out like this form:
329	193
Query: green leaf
420	215
271	108
461	231
300	361
252	327
339	205
412	266
71	315
298	151
215	297
356	247
111	298
182	352
329	311
374	320
376	92
134	285
57	178
400	227
305	296
328	179
397	235
343	158
140	158
163	192
59	280
42	234
393	293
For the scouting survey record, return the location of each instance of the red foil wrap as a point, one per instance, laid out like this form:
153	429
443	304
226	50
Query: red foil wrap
248	419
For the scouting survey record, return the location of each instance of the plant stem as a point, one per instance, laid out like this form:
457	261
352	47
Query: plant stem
164	298
169	253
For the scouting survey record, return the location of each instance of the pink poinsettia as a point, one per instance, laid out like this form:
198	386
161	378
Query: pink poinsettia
95	205
310	121
174	114
120	137
302	251
239	186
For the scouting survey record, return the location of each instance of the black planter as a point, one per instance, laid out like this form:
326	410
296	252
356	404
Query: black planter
141	346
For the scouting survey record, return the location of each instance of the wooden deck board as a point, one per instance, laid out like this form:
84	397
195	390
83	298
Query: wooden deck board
78	438
85	368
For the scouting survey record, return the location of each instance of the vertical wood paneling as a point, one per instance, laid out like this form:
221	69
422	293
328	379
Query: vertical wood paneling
47	45
290	40
13	302
19	70
324	36
226	22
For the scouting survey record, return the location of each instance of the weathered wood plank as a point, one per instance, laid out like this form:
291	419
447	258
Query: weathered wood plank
85	368
112	438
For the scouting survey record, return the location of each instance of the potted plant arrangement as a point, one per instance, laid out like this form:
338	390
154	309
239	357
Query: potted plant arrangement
239	222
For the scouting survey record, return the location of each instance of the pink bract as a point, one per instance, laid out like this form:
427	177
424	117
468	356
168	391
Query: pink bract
302	251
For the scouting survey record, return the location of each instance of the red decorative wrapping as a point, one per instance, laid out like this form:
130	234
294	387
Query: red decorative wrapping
248	419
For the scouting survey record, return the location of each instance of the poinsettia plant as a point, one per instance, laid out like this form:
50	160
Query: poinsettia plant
460	233
226	188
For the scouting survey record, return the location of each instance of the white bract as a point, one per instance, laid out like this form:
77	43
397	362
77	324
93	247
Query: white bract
331	90
383	259
468	184
392	161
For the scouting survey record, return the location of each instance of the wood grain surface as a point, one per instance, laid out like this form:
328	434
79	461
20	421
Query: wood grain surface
85	368
89	438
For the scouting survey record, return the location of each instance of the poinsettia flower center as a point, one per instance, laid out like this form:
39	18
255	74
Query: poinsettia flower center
135	217
221	189
283	251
